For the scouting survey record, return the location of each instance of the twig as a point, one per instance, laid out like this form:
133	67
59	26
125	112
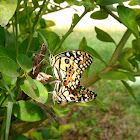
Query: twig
69	31
94	78
111	13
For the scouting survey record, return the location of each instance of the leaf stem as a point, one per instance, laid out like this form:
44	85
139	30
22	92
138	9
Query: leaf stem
94	78
69	31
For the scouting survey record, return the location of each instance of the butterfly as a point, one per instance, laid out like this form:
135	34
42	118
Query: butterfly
69	65
79	95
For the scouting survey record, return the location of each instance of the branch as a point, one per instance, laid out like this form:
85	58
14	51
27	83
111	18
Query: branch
111	13
94	78
69	31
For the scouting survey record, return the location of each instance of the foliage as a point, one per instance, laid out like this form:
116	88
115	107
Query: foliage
25	102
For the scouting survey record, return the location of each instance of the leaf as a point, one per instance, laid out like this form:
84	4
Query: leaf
8	118
130	76
8	66
33	47
51	37
94	53
2	37
75	18
35	3
83	44
113	75
63	128
109	2
9	80
7	10
36	135
27	111
31	81
128	17
19	137
134	2
40	94
99	15
25	62
103	36
129	88
59	111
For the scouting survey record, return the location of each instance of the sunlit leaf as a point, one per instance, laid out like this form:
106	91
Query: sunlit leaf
40	94
134	2
7	10
63	128
27	111
109	2
128	17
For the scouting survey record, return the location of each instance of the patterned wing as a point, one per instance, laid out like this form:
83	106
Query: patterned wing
80	95
68	66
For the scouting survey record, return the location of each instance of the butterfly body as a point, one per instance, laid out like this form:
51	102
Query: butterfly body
69	65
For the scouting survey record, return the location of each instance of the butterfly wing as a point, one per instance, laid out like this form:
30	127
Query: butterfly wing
68	66
79	95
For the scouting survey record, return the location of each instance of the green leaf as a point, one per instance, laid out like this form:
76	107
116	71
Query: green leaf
8	118
83	44
113	75
36	135
103	36
59	111
51	37
2	37
9	80
109	2
129	88
130	76
94	53
7	10
31	81
75	18
128	17
8	66
25	62
134	2
19	137
59	1
33	47
136	45
99	15
40	94
27	111
63	128
35	3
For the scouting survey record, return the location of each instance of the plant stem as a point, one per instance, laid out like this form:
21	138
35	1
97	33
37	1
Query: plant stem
111	13
16	36
94	78
37	19
69	31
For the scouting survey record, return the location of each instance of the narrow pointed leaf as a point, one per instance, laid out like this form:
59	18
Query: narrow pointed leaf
129	89
94	53
103	36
